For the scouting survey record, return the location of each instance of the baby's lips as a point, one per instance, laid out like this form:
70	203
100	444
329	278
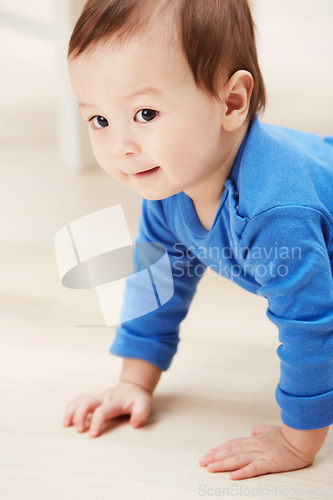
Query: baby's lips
147	172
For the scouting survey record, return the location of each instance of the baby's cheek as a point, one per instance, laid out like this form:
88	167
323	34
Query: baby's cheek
102	157
115	173
173	152
99	144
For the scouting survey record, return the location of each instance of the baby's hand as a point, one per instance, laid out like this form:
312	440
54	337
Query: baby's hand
266	451
123	399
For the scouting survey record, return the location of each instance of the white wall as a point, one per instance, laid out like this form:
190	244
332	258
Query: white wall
295	45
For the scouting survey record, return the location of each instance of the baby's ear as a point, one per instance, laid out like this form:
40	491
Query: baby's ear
237	96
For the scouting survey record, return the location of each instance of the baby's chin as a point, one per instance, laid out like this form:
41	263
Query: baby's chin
159	196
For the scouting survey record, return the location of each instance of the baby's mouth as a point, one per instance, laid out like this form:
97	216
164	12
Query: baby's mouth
146	173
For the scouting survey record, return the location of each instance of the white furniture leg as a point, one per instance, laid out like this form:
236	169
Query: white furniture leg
75	152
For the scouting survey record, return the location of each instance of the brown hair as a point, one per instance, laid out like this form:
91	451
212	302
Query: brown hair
216	35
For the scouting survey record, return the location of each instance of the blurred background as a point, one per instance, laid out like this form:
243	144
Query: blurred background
40	193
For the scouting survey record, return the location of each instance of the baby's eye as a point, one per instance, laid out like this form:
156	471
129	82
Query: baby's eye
145	115
99	121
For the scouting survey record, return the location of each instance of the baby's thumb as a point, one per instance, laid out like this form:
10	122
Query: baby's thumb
260	429
140	412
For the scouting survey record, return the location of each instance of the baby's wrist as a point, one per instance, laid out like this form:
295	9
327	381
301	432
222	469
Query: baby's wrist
306	442
140	373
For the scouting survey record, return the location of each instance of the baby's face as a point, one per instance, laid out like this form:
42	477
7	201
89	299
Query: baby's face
150	126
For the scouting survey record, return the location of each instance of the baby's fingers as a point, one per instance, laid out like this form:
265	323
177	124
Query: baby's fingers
72	407
226	447
105	412
242	464
69	413
140	411
82	411
216	457
253	469
230	463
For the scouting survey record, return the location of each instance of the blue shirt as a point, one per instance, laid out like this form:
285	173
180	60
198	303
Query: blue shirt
273	235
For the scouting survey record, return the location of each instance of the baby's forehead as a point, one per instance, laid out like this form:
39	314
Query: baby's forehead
128	69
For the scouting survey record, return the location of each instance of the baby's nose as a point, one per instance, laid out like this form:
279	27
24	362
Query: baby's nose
124	146
125	151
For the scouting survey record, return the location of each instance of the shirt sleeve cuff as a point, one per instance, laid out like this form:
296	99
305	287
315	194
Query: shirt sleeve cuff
305	413
156	353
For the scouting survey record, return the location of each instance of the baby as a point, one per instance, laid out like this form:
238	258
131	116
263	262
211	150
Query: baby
171	90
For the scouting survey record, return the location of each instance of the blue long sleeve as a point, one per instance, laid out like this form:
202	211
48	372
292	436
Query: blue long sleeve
154	337
295	275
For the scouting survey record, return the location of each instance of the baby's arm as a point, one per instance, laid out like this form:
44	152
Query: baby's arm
131	396
270	449
153	336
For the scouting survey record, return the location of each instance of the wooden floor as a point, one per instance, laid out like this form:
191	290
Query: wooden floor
220	384
54	345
